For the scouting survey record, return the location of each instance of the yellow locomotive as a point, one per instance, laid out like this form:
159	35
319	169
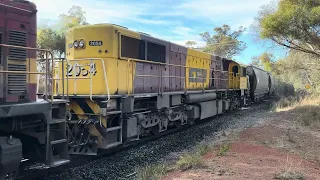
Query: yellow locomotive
123	85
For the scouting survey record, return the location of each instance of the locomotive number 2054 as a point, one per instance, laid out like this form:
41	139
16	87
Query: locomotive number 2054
95	43
77	69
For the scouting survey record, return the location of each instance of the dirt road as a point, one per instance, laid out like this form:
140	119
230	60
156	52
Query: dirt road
281	145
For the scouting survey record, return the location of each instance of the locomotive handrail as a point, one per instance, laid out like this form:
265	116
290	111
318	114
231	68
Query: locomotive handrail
62	74
91	82
47	73
161	76
230	74
238	80
53	82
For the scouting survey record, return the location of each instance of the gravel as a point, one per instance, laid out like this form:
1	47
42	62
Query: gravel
124	164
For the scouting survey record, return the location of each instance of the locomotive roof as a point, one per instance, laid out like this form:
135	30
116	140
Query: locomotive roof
20	4
115	26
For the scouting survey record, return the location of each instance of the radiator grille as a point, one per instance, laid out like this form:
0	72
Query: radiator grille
17	38
16	82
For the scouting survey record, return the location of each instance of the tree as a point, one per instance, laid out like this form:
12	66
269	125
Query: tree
54	40
255	27
50	39
191	44
224	43
75	17
294	24
255	61
299	69
265	61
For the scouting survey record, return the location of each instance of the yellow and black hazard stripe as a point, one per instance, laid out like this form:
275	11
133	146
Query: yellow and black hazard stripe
85	109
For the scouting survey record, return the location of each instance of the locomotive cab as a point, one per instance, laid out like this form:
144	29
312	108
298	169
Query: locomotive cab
233	69
91	62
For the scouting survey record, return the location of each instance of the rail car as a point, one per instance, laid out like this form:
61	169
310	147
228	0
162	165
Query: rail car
124	85
30	129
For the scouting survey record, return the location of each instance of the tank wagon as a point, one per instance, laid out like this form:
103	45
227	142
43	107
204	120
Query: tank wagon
124	85
27	127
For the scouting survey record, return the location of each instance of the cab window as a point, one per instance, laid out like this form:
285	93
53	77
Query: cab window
132	48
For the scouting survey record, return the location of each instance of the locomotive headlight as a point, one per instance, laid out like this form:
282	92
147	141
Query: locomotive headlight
81	43
76	44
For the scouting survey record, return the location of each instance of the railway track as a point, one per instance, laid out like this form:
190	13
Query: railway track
80	160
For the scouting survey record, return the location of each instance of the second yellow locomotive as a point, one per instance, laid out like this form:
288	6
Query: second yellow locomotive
123	85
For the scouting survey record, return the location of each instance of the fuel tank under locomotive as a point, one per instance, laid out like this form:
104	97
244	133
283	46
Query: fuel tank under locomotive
259	82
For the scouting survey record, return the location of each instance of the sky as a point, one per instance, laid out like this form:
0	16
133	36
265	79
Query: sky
177	21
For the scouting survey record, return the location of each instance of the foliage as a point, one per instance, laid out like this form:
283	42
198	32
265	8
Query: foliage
265	61
294	24
255	61
224	43
191	44
49	39
75	17
284	88
298	69
54	39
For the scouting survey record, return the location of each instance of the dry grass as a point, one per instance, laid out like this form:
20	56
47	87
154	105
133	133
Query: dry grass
291	102
192	159
152	172
188	161
306	110
288	173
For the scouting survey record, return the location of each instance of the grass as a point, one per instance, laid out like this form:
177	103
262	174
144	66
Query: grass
288	173
153	172
306	109
188	161
290	136
203	149
223	149
293	102
192	159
